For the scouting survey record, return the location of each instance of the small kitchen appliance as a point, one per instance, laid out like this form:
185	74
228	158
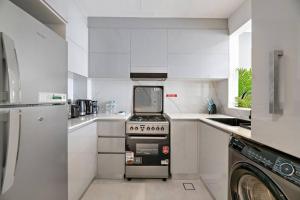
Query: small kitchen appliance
82	106
147	135
89	107
95	107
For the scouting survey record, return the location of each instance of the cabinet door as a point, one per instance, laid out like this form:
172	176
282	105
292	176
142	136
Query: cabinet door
109	40
59	6
115	128
149	51
111	145
111	166
77	58
198	53
270	32
184	148
107	65
82	159
213	159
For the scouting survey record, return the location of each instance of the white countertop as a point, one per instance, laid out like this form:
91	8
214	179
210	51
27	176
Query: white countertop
204	118
76	123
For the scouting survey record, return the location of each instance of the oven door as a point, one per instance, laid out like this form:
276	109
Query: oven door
147	151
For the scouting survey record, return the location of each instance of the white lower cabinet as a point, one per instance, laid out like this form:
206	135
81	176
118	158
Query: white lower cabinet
82	160
111	149
111	145
111	166
184	149
213	157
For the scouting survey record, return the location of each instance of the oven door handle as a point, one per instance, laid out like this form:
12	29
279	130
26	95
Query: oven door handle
147	138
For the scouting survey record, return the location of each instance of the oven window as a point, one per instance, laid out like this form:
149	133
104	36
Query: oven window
251	188
146	149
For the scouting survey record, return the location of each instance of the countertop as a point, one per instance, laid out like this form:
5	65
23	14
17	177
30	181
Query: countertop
204	118
76	123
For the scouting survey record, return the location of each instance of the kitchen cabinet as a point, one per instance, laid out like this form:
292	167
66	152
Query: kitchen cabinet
59	7
77	37
184	149
109	53
77	59
82	160
198	53
277	128
213	156
149	49
111	149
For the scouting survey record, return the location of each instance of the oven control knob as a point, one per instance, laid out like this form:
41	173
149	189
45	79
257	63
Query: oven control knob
162	128
136	128
152	128
157	128
148	128
131	128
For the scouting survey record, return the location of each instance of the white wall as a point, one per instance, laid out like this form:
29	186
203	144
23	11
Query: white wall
192	95
240	16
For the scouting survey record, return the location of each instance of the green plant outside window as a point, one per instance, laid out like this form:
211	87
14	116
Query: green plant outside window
244	99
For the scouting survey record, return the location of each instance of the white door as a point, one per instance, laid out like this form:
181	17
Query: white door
276	28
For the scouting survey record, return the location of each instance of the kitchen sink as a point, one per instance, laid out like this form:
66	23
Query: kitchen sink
233	122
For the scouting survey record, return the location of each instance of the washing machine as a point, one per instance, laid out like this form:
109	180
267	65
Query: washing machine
258	172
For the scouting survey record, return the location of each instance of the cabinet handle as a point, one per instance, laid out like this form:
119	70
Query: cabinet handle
274	104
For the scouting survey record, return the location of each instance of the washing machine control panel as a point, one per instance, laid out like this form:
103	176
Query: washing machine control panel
280	163
287	168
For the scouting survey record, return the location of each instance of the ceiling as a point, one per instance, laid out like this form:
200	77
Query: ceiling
160	8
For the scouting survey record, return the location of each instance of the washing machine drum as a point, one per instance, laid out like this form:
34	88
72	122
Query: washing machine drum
249	183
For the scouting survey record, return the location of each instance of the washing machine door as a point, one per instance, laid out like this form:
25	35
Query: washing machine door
249	183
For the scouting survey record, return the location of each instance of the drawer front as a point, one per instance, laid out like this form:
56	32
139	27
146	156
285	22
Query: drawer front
111	128
111	145
111	166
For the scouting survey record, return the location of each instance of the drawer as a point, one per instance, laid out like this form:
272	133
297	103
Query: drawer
111	128
111	145
111	166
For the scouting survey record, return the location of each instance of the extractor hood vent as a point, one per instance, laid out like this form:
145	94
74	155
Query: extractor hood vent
148	76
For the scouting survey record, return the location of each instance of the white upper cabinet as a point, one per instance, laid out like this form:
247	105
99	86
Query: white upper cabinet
109	53
198	53
77	37
270	33
60	7
149	51
110	40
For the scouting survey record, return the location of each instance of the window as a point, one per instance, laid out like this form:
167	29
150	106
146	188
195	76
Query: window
240	76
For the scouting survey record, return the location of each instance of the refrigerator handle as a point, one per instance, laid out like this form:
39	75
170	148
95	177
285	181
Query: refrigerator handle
12	151
12	93
274	104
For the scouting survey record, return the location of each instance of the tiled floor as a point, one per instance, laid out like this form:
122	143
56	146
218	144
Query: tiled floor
147	190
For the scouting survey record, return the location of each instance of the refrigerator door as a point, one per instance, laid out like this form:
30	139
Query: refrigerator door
41	170
276	74
42	54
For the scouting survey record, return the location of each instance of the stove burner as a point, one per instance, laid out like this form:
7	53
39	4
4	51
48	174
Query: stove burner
148	118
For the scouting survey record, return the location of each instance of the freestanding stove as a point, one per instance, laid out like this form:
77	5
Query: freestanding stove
147	135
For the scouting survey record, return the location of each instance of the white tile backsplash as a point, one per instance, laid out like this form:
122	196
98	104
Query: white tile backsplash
191	97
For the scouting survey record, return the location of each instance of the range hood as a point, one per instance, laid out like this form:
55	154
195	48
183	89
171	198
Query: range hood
148	76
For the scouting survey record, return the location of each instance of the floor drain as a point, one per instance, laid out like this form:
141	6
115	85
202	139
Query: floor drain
188	186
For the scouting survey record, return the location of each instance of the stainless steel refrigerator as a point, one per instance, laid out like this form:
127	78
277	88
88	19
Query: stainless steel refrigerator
33	113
